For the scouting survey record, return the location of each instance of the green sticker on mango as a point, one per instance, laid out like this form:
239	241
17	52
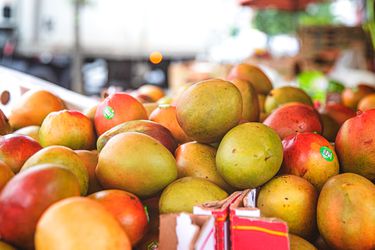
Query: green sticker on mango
108	113
327	153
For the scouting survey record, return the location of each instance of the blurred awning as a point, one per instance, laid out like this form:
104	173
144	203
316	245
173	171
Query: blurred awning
288	5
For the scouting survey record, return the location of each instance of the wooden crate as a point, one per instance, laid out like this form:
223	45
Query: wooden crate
317	39
321	46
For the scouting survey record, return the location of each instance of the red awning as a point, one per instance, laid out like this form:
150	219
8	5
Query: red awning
288	5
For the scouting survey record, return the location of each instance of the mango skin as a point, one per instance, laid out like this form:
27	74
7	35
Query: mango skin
165	114
209	109
280	96
346	212
292	199
298	243
338	112
67	128
127	209
4	124
292	118
153	129
5	174
90	160
355	145
32	131
16	149
249	155
5	246
352	96
303	157
27	196
94	228
90	113
33	107
183	194
250	102
199	160
248	72
136	163
124	108
65	157
366	103
330	127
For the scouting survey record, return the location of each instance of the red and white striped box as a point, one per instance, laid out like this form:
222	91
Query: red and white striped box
186	232
220	211
248	230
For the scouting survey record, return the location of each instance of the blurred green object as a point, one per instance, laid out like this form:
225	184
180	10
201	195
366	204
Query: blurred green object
314	83
370	24
275	22
335	86
317	85
317	14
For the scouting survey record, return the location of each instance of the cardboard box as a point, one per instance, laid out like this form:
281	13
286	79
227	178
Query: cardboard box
220	211
186	232
250	231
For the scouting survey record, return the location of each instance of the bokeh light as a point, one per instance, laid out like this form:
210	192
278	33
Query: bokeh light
156	57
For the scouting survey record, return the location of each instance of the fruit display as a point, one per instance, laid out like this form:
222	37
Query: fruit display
4	124
182	194
250	102
16	158
94	228
153	129
310	156
67	128
116	109
26	196
33	107
63	156
292	199
195	159
294	118
207	110
279	96
346	204
136	163
127	209
101	178
352	96
249	155
357	133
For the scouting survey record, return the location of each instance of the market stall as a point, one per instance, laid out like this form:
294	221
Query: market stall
272	151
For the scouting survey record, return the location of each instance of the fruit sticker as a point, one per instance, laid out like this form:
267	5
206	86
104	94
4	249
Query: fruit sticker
108	113
327	153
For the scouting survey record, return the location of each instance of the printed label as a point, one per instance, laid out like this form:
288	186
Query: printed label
153	245
108	113
327	153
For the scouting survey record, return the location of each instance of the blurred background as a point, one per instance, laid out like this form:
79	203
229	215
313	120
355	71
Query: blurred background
90	45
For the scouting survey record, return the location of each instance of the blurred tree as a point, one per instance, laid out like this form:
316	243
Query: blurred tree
274	22
370	22
317	14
